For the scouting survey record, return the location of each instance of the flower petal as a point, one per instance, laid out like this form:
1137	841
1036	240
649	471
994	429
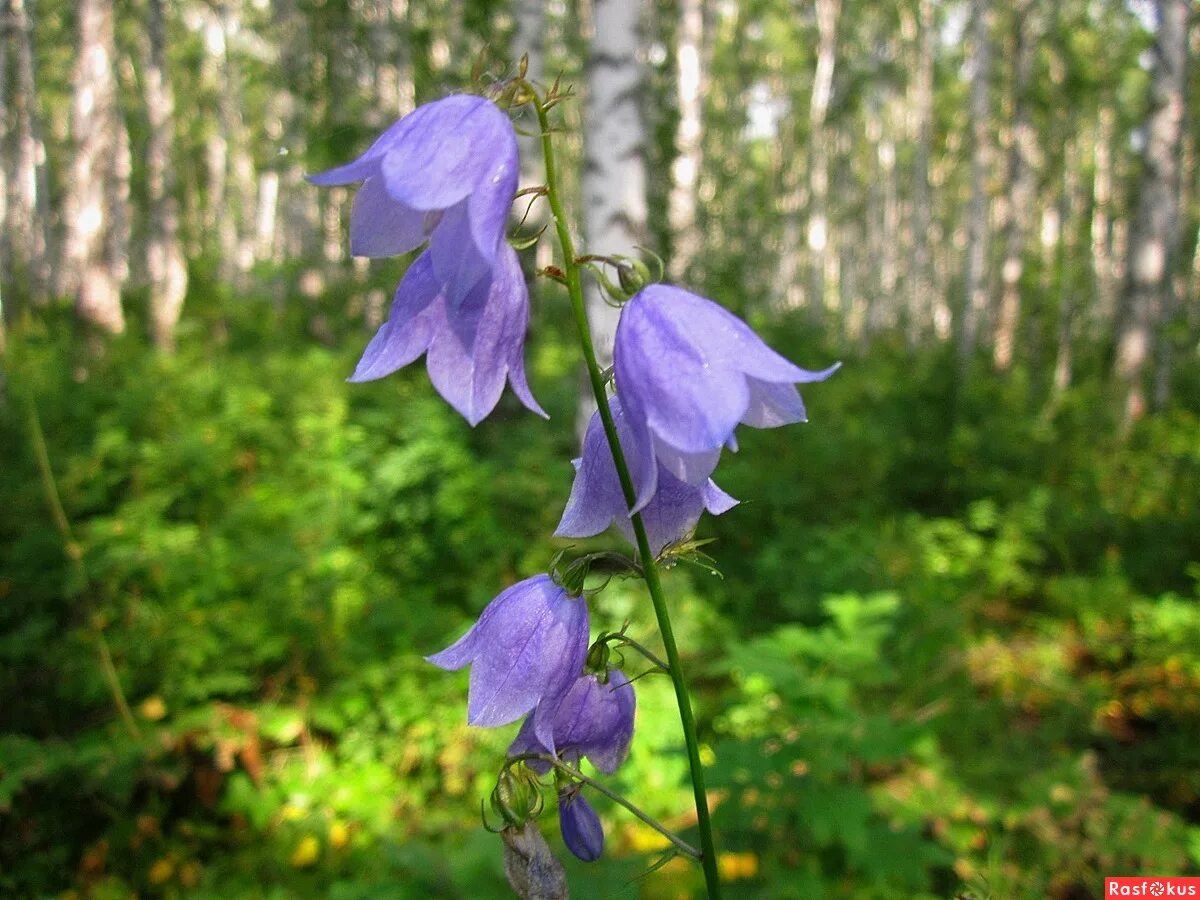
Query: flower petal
382	226
533	646
690	400
446	152
469	355
716	501
457	262
411	325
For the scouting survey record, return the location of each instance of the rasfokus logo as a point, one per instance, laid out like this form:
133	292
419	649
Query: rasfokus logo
1149	886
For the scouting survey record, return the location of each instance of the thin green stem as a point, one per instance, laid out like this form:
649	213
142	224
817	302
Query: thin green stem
74	556
625	641
572	271
612	795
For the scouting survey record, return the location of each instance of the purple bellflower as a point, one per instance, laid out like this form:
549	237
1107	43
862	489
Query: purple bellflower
473	347
597	500
581	829
529	644
446	172
688	373
591	718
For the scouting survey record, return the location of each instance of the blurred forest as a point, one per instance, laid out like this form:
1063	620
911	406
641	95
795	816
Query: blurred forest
956	650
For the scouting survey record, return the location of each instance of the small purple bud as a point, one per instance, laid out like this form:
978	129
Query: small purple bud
581	829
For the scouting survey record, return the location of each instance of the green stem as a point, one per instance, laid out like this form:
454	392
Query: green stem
74	556
572	271
624	641
612	795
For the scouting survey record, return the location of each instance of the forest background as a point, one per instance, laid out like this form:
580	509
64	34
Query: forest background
956	650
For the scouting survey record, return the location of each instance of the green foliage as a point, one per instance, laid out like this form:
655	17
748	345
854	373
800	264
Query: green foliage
955	649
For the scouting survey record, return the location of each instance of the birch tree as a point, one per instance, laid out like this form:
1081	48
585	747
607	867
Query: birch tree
689	133
165	263
1021	187
614	168
87	271
975	299
1148	298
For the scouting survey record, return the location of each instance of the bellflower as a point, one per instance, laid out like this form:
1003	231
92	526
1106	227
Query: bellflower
529	643
473	347
581	829
446	172
597	500
688	373
591	718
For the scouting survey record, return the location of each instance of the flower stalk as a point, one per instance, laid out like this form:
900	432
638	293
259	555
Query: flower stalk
572	272
573	773
74	555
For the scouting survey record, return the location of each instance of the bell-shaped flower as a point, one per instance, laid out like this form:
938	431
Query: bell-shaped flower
597	500
581	829
473	347
688	373
592	718
446	172
529	644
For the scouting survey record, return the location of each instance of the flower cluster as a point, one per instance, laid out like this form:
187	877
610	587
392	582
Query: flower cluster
687	373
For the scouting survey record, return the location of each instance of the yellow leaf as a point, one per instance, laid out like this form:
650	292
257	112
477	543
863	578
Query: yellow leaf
161	871
153	708
737	865
306	852
339	834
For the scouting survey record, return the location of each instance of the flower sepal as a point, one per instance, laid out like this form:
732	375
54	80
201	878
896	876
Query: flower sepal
517	797
632	275
573	576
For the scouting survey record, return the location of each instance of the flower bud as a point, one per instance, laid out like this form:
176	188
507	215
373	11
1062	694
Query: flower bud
633	274
517	797
597	660
580	826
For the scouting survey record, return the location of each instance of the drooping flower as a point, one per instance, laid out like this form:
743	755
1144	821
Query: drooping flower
688	372
473	346
529	644
597	500
446	172
592	718
581	829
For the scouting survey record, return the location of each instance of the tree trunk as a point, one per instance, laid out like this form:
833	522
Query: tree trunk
529	26
1021	187
975	299
27	221
6	254
393	59
164	254
231	192
614	168
818	157
1102	197
1148	297
922	298
685	170
87	270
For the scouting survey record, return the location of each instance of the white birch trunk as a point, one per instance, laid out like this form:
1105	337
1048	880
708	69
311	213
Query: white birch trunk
87	271
165	264
1148	297
614	168
921	298
820	255
975	301
685	170
1021	187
